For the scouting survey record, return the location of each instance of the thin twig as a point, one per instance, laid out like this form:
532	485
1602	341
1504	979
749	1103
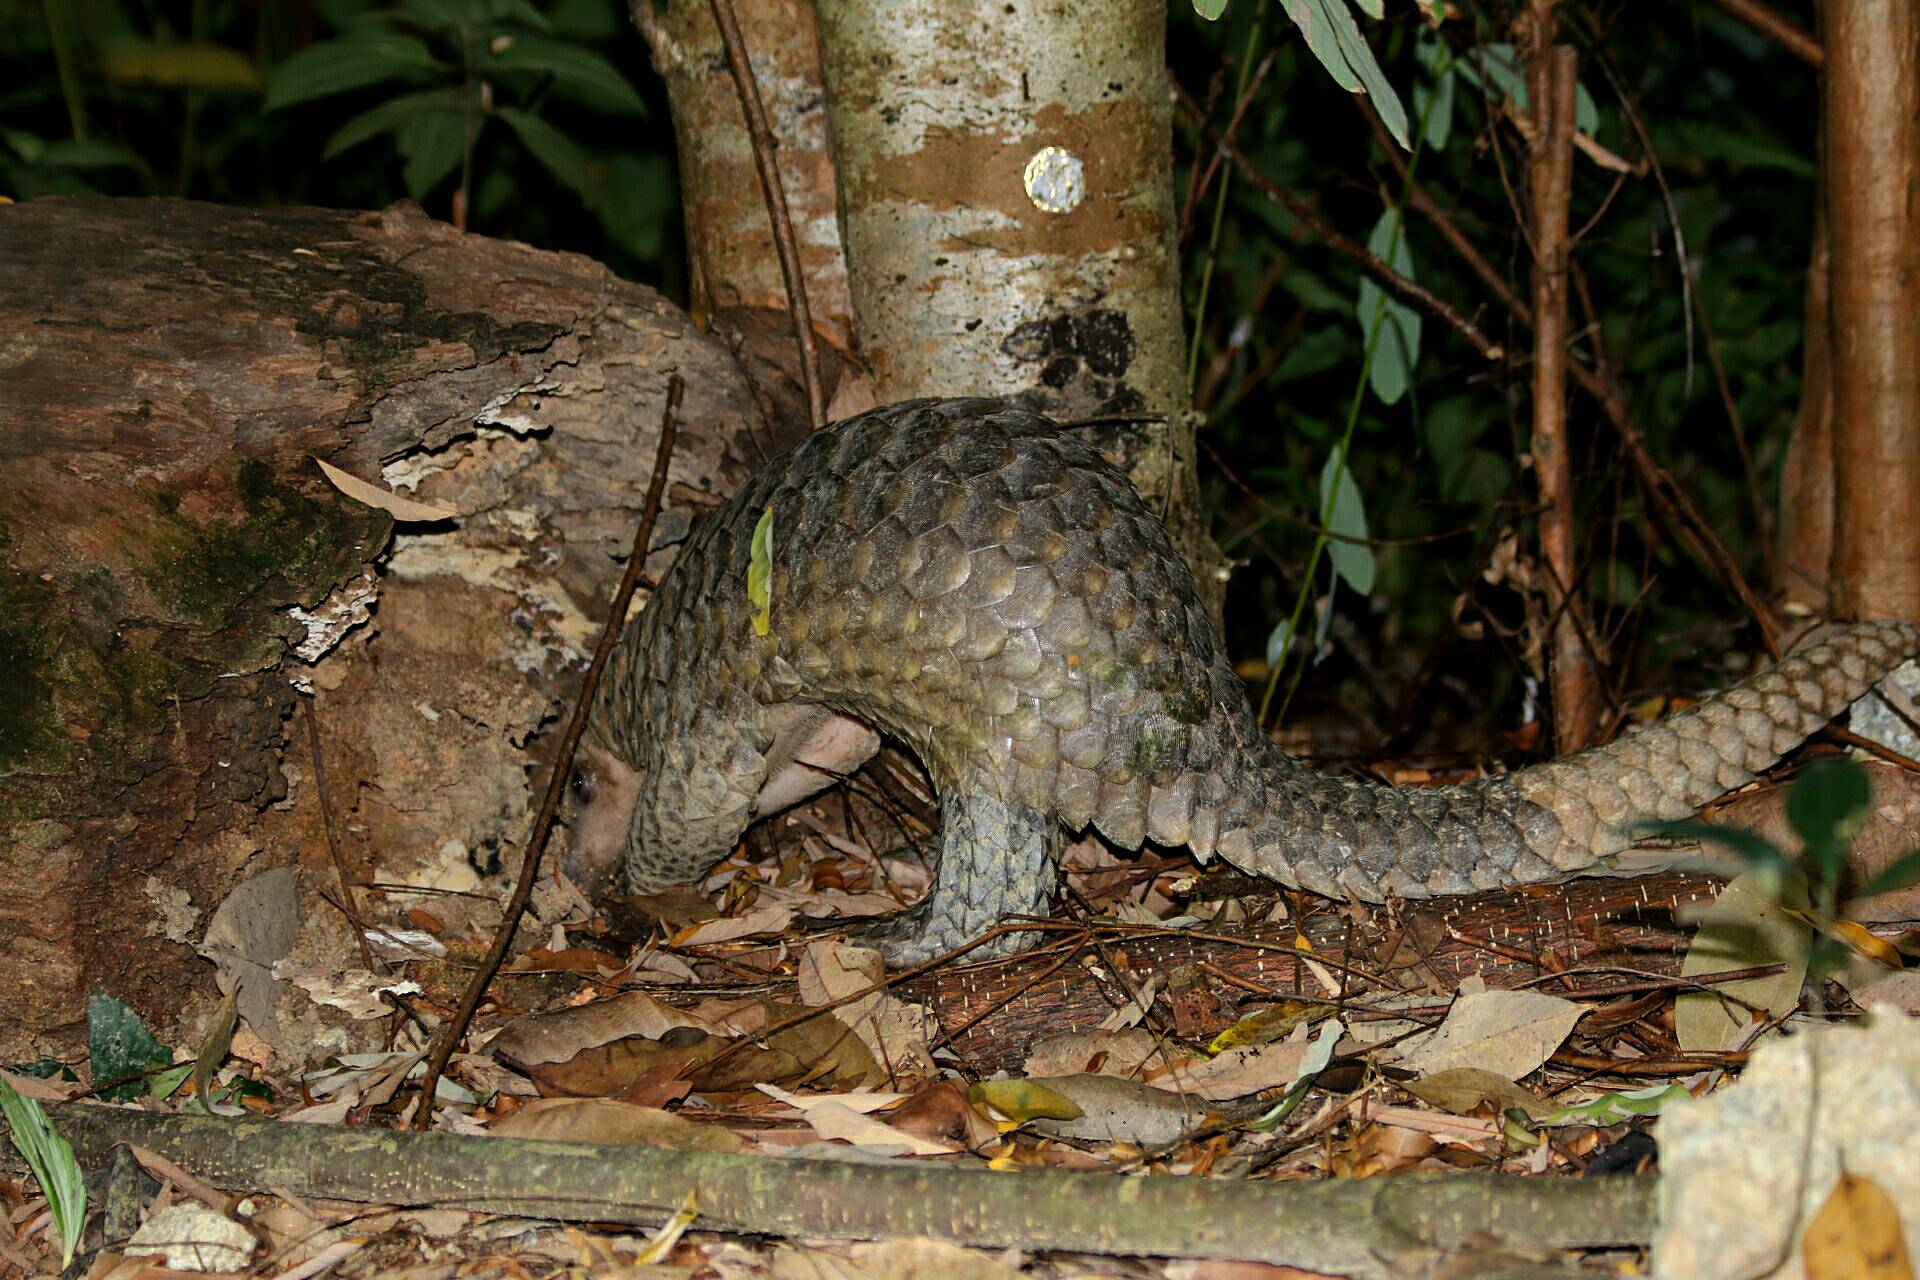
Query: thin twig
456	1026
348	905
1374	265
775	194
1795	40
1678	511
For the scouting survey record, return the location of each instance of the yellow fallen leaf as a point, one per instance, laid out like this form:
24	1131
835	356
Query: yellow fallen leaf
1856	1235
1022	1100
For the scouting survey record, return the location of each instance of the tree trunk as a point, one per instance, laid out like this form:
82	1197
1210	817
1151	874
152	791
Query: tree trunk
1872	115
735	270
173	370
1806	474
1007	208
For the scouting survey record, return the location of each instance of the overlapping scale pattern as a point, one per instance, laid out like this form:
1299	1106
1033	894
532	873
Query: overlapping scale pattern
985	587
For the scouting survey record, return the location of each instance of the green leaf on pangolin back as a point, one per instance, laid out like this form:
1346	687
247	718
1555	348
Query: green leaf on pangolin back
760	573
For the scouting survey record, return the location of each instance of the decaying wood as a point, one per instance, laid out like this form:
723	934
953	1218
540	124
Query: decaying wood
1361	1227
166	541
1504	938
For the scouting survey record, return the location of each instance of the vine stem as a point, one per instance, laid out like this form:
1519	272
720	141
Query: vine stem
455	1027
760	133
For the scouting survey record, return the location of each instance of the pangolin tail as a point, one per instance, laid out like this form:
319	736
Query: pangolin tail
1572	816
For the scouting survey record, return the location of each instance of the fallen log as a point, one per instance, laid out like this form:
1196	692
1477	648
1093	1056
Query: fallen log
1364	1227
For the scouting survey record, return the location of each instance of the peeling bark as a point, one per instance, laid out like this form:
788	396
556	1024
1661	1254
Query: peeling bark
170	370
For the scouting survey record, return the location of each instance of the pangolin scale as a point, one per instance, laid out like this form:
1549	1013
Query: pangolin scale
987	589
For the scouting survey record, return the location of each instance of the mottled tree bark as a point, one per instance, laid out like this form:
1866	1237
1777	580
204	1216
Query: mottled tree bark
1007	208
1872	109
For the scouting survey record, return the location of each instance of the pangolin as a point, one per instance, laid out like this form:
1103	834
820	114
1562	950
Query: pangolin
987	589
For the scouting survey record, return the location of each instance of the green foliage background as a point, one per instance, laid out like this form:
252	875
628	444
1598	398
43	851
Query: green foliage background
352	103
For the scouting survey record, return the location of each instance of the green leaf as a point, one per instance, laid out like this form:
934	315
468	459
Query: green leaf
67	153
584	75
1320	348
760	573
523	13
1433	97
1611	1108
1505	71
564	158
1745	928
447	15
50	1156
184	65
28	146
1375	9
354	61
1826	805
121	1050
1279	640
1397	348
1748	146
1342	512
642	206
1310	19
1210	9
391	114
432	144
1360	58
1897	874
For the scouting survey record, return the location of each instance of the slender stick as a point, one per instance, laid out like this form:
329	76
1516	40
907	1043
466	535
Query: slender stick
347	901
1372	263
1676	509
456	1027
1551	72
775	194
1795	40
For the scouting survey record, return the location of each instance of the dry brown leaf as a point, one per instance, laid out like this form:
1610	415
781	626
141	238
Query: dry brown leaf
557	1037
602	1120
1508	1033
837	1122
940	1111
363	491
1463	1090
1237	1072
1743	928
1111	1053
732	928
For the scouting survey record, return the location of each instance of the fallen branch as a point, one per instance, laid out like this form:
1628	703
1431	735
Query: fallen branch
1357	1227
